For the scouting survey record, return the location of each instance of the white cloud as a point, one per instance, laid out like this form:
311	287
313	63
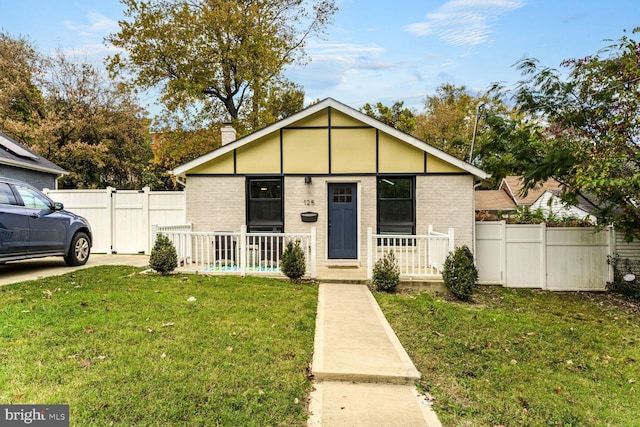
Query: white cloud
464	22
98	26
340	68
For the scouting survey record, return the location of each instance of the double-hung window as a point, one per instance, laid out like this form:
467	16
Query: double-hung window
396	205
264	205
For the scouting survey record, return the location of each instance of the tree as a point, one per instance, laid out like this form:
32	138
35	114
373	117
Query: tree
21	101
226	54
504	144
176	143
279	102
92	127
449	119
69	113
395	116
587	130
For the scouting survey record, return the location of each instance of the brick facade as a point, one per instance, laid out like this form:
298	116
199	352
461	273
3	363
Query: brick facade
446	201
219	204
216	203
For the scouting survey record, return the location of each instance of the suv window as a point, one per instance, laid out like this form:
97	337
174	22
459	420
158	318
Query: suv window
6	195
32	199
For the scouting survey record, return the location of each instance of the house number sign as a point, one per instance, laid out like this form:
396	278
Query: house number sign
309	202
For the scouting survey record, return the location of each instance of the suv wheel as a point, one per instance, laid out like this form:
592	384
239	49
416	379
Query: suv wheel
79	250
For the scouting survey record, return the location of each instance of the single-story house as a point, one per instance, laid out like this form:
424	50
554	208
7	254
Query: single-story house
494	203
545	196
339	171
18	162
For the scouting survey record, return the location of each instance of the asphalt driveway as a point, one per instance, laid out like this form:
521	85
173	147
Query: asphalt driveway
32	269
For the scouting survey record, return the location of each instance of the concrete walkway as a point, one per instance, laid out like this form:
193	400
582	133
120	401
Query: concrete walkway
363	376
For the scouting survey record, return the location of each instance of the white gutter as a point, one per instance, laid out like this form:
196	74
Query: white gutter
24	165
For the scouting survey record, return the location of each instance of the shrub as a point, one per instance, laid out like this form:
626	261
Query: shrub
386	273
625	277
460	274
164	258
293	264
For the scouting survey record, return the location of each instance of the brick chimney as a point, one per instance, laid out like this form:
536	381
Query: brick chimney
228	133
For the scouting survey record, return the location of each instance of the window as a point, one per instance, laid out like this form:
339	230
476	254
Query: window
6	195
264	205
342	195
396	205
33	199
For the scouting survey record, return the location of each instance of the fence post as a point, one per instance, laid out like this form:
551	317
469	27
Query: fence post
312	255
611	250
152	237
543	255
243	250
146	215
112	213
370	244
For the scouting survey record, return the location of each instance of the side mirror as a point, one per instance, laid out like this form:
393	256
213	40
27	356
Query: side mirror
57	206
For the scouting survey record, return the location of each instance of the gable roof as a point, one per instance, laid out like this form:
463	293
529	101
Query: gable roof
182	170
513	186
17	155
494	200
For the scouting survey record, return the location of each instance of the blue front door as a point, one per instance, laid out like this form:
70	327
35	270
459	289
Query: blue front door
343	221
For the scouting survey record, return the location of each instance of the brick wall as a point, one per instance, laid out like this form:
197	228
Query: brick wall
301	197
446	201
216	203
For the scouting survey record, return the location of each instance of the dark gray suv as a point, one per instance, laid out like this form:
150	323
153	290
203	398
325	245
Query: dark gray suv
33	226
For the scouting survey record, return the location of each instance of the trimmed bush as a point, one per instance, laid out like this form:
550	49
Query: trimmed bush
293	264
460	274
386	273
164	258
625	277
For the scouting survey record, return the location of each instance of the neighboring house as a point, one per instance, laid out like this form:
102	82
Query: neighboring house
18	162
494	202
545	196
351	170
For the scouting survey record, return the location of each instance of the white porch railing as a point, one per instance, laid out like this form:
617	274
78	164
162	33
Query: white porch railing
237	252
417	255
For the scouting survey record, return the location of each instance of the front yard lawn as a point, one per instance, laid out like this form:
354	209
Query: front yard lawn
123	348
523	357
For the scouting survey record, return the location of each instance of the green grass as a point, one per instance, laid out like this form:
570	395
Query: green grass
122	348
523	357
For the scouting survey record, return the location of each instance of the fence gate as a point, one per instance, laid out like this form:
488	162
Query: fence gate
130	222
524	250
536	256
122	220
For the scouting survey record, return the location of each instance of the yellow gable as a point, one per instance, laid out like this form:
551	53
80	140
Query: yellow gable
328	141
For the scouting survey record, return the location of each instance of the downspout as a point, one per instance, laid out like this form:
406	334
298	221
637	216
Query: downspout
475	186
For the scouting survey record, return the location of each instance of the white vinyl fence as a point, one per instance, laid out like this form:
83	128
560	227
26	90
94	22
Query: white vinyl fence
122	220
536	256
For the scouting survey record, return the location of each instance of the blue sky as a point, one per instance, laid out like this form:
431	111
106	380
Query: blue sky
380	50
